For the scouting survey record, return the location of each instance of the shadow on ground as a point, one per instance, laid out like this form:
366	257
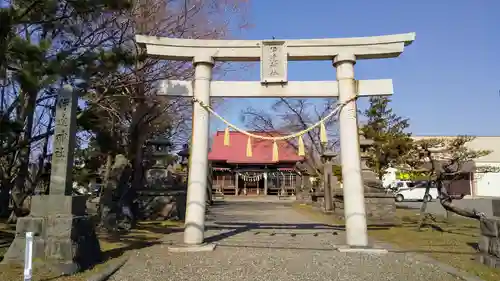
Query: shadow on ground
452	237
317	229
235	228
159	227
125	245
145	234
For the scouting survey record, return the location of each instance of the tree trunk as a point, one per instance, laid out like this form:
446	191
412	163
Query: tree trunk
423	208
43	154
464	212
116	186
137	134
4	199
107	172
22	159
447	202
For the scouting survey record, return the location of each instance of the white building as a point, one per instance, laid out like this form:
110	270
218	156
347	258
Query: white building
482	184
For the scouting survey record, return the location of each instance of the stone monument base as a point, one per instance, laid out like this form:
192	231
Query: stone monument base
205	247
362	250
64	235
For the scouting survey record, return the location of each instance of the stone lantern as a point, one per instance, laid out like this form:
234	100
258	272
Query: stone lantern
380	206
159	172
184	161
370	179
160	152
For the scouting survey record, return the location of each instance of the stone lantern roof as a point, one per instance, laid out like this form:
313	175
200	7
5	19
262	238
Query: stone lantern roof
364	143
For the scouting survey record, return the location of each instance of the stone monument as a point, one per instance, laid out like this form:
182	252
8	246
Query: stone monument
64	235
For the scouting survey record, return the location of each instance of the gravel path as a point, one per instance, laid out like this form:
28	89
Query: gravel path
270	241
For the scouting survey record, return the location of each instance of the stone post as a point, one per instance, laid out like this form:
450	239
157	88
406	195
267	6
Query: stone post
354	203
64	235
327	158
236	181
197	179
265	183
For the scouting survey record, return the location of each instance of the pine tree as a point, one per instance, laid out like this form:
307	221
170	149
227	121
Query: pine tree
43	44
387	130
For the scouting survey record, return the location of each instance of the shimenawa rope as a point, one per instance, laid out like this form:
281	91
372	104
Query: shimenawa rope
301	149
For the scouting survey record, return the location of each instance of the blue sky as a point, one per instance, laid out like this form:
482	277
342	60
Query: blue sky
447	82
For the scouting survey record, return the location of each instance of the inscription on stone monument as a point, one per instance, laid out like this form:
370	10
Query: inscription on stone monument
64	143
273	62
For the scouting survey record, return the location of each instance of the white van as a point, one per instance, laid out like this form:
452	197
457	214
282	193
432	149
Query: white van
409	191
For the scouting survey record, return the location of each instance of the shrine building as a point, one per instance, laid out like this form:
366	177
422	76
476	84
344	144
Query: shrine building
244	167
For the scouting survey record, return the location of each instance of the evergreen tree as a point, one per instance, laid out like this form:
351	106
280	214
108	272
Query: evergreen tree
387	130
43	44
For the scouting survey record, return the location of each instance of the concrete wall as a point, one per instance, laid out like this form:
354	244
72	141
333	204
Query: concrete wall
487	184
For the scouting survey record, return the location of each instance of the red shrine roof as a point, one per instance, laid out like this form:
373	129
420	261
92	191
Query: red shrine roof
262	150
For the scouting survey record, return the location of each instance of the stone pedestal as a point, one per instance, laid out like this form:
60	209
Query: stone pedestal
162	204
304	197
64	235
380	208
489	242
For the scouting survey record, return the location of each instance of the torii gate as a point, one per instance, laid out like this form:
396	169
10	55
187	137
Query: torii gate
274	55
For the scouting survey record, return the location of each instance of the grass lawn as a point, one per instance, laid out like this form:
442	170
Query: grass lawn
113	246
451	241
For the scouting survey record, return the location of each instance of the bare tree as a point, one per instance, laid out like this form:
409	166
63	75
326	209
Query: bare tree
130	95
91	45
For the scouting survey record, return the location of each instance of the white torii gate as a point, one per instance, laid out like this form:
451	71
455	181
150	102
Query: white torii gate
274	55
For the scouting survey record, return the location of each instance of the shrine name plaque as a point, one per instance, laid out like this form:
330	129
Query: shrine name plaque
273	62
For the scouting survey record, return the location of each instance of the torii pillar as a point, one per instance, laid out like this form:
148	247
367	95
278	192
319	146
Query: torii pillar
354	194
